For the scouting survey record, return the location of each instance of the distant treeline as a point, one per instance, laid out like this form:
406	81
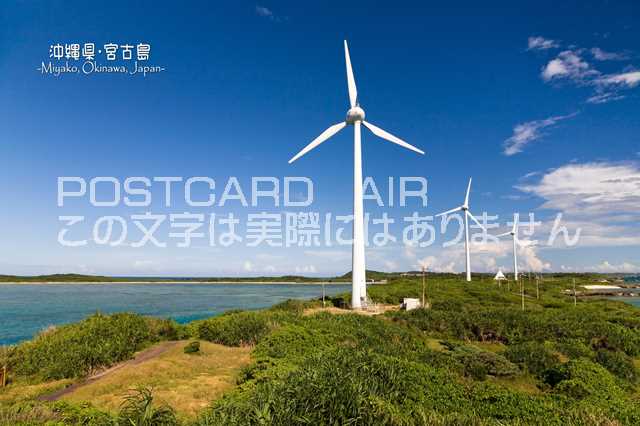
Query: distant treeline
371	275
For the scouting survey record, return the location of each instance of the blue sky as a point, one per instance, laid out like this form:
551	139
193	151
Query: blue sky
538	102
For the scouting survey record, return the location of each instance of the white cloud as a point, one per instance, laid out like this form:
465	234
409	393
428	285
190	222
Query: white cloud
306	269
525	133
628	79
485	257
571	66
601	55
541	43
264	11
590	188
247	266
568	64
624	267
331	255
603	98
600	198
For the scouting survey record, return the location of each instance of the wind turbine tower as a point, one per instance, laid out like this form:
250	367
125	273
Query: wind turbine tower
514	235
464	208
355	118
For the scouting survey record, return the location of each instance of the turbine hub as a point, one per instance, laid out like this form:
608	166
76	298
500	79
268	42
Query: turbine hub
355	114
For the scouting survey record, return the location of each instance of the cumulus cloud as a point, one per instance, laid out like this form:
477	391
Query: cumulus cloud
486	256
525	133
570	65
541	43
306	269
265	12
590	188
624	267
601	55
628	79
600	198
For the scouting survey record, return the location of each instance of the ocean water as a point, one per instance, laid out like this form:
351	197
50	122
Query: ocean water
635	301
26	309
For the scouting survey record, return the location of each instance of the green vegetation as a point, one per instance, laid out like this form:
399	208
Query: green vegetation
79	349
474	358
192	348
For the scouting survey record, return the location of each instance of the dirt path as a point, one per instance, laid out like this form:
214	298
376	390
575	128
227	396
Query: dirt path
378	309
141	357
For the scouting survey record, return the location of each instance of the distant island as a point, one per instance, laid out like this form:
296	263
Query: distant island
372	276
82	278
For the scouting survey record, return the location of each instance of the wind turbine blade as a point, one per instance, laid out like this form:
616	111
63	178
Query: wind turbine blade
457	209
466	197
503	235
317	141
475	220
516	219
388	136
351	81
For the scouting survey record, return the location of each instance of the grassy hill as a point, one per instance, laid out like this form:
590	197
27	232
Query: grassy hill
475	357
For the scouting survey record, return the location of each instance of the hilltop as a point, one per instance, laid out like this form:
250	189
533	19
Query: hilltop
475	357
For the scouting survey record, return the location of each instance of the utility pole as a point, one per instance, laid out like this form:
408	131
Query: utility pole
537	287
575	300
522	292
323	305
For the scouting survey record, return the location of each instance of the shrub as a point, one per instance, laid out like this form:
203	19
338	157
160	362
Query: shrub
78	349
618	363
238	329
478	363
137	409
535	357
192	348
574	348
583	378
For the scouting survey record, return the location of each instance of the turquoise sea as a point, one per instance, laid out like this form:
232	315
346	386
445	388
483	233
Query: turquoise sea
26	309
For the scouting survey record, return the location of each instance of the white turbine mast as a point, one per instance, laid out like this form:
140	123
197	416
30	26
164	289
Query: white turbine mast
355	117
467	214
514	235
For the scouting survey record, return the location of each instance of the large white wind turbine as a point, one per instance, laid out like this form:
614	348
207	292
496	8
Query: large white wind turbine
467	214
355	117
514	235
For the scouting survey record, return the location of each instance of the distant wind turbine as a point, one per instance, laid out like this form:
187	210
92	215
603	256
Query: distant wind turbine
355	117
514	235
465	208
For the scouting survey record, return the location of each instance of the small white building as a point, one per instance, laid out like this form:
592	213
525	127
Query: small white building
410	303
595	287
500	276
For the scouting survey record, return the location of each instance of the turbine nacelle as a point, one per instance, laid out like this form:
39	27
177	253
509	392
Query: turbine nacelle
355	114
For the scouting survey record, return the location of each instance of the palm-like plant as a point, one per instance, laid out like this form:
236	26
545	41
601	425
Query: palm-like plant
137	409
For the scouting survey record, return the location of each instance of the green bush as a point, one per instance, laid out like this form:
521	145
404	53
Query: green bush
238	329
79	349
478	363
535	357
574	348
192	348
618	363
137	409
583	378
